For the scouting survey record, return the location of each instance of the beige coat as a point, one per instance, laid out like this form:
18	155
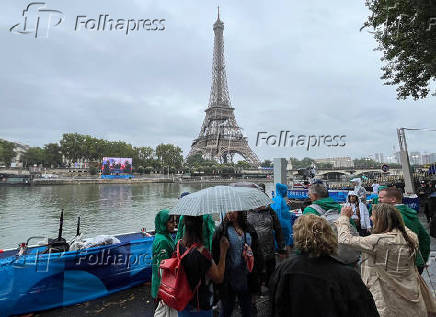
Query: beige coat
388	270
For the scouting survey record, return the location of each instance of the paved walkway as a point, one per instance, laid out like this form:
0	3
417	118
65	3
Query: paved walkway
137	301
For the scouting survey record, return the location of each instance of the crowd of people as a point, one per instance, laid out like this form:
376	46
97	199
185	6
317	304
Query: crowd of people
364	258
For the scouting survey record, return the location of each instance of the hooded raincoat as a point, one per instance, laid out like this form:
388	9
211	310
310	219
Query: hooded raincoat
364	213
282	210
412	222
163	248
388	270
359	190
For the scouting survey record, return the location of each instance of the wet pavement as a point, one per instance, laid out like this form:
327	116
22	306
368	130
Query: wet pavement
138	302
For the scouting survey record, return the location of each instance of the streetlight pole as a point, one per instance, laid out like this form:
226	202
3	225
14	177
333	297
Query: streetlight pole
405	164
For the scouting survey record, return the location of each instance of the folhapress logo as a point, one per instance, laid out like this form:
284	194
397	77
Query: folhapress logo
38	20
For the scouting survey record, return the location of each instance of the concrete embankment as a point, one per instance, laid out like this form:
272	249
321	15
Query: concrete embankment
72	181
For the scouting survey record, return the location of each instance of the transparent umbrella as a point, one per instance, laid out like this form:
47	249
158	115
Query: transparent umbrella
220	199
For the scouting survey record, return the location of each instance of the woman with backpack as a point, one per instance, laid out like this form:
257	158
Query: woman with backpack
241	278
163	246
200	268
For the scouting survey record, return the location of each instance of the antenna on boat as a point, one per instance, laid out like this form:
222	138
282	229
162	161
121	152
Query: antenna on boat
59	244
61	223
78	227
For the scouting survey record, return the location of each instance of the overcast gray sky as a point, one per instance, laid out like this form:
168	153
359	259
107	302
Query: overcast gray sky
298	66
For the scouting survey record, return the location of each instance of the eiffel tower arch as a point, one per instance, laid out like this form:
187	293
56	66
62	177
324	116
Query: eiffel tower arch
220	136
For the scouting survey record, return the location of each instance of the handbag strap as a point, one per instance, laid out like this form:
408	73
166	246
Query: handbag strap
193	246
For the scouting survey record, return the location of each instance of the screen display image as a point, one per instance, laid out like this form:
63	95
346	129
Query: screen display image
116	166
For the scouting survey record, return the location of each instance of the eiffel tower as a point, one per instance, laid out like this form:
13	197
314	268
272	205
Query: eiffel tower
220	136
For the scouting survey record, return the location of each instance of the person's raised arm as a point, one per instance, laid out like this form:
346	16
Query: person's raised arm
216	272
344	232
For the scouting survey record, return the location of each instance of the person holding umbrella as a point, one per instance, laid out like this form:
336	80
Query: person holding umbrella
208	228
240	280
243	260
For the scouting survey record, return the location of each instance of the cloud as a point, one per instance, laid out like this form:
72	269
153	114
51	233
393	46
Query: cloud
303	67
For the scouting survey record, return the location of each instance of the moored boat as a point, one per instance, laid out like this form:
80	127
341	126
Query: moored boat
33	279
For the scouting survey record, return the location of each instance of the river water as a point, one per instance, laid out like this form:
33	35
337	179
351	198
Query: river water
103	208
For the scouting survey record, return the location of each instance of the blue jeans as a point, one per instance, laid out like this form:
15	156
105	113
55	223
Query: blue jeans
228	302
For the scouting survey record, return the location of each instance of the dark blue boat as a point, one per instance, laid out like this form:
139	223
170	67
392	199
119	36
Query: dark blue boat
39	281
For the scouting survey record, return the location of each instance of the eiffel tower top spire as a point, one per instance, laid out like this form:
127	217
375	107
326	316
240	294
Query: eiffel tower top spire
219	92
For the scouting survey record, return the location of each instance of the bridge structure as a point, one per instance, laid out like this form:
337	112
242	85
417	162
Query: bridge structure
337	173
331	173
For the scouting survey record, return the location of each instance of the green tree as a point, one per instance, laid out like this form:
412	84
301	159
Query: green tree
169	155
72	146
143	156
365	163
7	152
406	34
324	165
243	164
304	163
34	155
267	163
195	160
52	155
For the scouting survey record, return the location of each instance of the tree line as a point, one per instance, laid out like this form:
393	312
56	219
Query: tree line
75	147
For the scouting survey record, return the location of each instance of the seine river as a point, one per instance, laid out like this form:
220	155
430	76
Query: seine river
103	208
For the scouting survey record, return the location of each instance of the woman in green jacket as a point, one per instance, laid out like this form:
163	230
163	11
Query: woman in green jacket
163	245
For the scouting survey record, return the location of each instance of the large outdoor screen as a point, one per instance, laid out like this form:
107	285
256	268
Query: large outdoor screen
116	166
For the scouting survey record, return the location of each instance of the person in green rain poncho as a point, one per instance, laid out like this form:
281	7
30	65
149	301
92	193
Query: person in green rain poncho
163	245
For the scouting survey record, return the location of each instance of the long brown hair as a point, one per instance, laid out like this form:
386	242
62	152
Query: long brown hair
387	218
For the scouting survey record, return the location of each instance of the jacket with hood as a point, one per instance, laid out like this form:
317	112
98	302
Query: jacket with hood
163	248
359	190
364	213
412	222
208	230
282	210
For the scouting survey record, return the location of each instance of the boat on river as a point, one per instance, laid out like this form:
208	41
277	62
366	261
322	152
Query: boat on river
35	279
11	179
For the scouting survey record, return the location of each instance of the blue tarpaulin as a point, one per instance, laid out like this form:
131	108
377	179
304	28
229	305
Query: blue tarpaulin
38	281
